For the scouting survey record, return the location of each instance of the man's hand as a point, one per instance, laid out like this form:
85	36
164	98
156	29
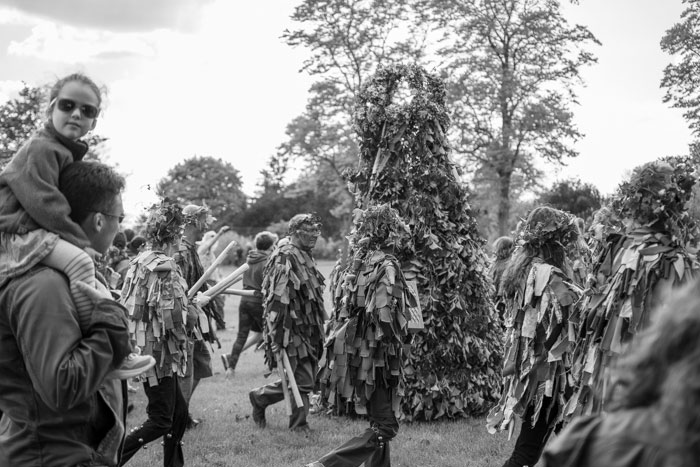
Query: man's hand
201	299
95	294
275	347
223	229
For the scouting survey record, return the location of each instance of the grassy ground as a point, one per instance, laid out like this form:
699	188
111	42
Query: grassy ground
228	438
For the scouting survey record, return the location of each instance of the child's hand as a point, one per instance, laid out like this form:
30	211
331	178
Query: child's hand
95	294
93	253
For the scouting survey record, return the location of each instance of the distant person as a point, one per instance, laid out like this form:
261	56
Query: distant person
293	317
207	257
654	404
135	246
59	409
35	221
250	309
502	249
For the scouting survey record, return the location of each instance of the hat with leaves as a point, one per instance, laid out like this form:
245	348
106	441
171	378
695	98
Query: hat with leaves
658	192
545	225
199	216
165	221
299	220
379	226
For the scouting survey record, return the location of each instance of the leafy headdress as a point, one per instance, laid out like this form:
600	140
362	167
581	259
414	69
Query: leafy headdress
657	193
300	220
546	226
164	224
379	226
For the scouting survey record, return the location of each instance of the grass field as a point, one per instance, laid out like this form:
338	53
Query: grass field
228	438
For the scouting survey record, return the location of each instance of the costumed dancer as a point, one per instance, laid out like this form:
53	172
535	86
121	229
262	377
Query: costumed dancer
205	250
250	309
293	317
35	223
197	220
634	272
502	250
540	328
155	295
365	352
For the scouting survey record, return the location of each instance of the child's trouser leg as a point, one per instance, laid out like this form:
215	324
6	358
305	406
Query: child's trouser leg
78	266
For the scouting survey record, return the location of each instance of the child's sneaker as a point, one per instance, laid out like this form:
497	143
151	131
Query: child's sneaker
132	365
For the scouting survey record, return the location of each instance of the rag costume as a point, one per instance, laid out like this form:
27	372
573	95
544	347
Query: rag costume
155	295
293	318
365	352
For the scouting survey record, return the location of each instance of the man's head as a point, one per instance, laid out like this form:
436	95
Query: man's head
93	191
197	221
304	230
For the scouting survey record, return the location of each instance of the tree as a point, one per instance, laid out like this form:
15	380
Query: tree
21	117
573	196
206	180
454	369
681	78
512	66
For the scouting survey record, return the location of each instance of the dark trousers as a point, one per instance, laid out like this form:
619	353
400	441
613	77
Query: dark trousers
531	440
272	393
167	418
249	318
372	447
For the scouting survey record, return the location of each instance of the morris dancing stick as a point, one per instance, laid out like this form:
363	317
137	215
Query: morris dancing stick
285	389
292	379
210	270
241	292
227	281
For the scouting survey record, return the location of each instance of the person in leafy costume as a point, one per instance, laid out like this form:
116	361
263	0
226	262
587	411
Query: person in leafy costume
155	296
364	354
634	271
293	317
540	321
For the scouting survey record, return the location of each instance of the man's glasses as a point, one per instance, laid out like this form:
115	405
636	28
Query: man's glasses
68	105
120	217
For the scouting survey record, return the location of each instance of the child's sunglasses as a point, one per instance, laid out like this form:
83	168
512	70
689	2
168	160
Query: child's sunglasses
68	105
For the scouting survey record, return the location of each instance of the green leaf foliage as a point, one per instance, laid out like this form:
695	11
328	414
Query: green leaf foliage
205	180
401	121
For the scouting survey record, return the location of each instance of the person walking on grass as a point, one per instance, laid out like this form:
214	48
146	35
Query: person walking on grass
155	295
250	309
540	319
293	317
365	352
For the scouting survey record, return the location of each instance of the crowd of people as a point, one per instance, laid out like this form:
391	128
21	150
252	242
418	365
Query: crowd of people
600	321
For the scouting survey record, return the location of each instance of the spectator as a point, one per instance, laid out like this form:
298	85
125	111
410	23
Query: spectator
58	408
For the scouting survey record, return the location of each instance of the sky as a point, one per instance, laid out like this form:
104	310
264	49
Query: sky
213	78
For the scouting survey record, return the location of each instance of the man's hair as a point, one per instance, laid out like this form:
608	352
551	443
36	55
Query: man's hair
89	187
264	240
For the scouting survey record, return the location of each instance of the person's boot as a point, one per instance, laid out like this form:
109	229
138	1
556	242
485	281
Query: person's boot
297	421
258	409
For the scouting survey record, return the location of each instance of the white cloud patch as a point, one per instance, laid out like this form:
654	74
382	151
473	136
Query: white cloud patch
9	89
116	15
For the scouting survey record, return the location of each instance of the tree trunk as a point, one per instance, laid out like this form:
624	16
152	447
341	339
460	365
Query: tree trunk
503	204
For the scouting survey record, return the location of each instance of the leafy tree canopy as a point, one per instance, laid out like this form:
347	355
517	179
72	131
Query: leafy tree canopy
206	180
573	196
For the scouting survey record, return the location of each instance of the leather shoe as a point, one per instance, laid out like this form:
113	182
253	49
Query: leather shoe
258	411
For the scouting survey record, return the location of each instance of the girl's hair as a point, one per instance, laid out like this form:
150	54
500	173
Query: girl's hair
81	78
661	370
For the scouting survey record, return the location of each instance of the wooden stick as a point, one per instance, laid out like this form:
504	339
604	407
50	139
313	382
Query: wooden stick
285	389
292	379
227	281
210	270
241	292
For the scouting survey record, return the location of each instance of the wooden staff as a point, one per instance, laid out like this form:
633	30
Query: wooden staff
210	270
285	390
241	292
227	281
292	379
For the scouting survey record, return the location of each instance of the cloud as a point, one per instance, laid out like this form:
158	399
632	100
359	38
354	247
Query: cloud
116	15
49	41
9	89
